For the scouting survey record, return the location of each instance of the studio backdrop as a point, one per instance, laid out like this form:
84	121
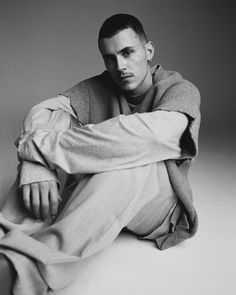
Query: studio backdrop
48	46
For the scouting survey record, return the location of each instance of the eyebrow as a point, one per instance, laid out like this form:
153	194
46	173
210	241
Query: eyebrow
122	50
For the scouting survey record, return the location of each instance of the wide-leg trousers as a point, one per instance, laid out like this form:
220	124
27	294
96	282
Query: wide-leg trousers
47	254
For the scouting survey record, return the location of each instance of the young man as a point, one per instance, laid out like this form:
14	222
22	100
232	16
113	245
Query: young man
110	153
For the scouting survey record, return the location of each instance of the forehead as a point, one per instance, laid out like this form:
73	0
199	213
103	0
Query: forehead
121	40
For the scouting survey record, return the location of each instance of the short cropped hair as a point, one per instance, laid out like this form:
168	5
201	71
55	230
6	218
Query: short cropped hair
119	22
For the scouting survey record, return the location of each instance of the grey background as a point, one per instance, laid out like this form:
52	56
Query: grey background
48	46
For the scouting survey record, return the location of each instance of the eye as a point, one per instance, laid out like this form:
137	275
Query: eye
128	52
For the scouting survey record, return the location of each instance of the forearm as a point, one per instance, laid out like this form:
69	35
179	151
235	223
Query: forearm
54	114
118	143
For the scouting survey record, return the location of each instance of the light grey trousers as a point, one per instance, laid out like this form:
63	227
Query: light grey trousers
99	207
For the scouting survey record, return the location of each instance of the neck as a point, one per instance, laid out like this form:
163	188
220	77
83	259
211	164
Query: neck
137	96
135	100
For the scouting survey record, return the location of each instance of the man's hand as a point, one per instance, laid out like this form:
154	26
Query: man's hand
41	198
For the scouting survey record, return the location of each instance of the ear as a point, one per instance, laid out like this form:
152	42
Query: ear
150	51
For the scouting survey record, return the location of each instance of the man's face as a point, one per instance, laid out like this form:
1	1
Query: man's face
126	59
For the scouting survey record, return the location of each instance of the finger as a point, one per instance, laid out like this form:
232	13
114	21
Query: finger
54	199
35	200
26	196
44	199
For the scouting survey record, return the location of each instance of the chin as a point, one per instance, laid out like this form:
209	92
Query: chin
128	87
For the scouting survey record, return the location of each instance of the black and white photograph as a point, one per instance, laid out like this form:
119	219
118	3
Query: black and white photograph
117	147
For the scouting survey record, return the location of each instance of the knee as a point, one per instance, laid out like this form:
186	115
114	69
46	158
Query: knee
7	276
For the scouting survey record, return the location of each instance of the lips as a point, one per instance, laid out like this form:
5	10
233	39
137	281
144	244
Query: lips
124	77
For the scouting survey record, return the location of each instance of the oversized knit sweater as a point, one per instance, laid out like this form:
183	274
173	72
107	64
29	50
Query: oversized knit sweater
97	99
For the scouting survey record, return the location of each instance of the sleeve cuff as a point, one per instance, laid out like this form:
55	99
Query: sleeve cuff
34	172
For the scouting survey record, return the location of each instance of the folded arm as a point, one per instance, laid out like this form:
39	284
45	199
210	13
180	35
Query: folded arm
122	142
39	183
54	114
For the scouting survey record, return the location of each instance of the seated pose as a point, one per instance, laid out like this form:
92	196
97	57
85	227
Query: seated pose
111	153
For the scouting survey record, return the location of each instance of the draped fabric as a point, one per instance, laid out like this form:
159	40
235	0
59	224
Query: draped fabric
41	251
97	99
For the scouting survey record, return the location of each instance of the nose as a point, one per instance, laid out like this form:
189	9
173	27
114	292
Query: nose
120	63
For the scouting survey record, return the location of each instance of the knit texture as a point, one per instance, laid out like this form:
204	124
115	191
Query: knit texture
97	99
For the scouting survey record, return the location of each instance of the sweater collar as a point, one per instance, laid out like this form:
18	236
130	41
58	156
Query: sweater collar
147	102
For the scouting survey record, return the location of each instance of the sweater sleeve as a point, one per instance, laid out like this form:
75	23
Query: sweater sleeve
122	142
52	113
184	97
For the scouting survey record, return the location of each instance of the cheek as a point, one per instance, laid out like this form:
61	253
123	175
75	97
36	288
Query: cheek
109	68
140	60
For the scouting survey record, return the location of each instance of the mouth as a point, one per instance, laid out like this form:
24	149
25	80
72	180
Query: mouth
125	77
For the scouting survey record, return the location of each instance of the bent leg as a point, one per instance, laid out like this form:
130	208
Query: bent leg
155	215
99	208
103	204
